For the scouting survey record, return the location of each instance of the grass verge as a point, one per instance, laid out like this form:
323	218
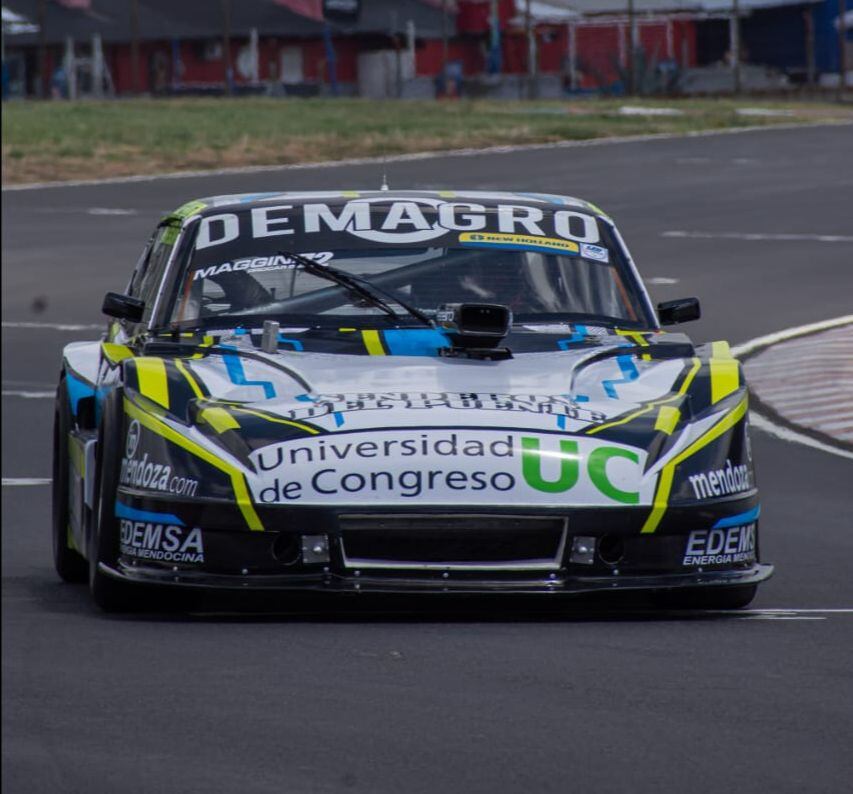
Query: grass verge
48	141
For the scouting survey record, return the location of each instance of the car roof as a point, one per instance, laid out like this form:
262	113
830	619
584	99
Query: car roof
242	201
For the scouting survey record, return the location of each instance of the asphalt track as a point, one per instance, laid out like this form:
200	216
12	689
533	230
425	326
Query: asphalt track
456	697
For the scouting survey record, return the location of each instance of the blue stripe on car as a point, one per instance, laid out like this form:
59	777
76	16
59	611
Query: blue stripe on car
132	514
741	518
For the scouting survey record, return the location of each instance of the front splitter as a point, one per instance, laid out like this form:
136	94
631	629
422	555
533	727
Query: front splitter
331	582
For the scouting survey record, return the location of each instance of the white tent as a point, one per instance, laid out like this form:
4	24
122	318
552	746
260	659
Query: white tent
15	23
592	7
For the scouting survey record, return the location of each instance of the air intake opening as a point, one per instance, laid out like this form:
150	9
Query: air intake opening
287	548
611	549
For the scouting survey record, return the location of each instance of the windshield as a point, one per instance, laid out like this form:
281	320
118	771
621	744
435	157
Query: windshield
235	276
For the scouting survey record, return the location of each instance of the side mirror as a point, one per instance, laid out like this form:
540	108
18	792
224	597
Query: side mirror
682	310
123	307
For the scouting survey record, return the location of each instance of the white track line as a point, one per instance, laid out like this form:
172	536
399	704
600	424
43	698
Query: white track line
789	333
26	481
805	611
815	238
54	326
28	395
765	424
786	434
413	156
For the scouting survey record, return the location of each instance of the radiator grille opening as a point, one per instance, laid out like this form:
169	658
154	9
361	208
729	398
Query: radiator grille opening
460	542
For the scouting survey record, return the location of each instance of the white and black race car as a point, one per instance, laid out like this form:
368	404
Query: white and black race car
401	392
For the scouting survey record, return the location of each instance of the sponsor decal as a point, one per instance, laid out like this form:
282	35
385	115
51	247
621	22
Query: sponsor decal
596	252
440	467
720	546
260	264
132	440
542	405
721	482
147	540
143	473
409	221
517	242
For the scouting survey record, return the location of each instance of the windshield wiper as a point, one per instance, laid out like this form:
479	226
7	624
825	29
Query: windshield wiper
361	286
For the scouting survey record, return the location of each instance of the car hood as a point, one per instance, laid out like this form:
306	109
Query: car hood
332	429
564	390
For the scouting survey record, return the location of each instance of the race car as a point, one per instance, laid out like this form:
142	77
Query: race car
401	392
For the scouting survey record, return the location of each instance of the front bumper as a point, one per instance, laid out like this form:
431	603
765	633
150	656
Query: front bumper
447	582
453	583
373	552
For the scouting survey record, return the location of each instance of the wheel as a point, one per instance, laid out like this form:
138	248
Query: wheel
111	595
69	563
719	597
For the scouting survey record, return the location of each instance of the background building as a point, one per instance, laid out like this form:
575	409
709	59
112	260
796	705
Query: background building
417	48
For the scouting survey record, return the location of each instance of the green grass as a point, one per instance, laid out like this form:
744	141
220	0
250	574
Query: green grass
65	140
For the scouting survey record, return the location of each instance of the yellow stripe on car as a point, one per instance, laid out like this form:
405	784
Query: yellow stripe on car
153	380
238	479
170	235
190	208
206	341
635	335
69	539
277	420
115	353
219	419
661	499
184	370
373	343
597	210
668	418
685	385
638	339
725	371
77	454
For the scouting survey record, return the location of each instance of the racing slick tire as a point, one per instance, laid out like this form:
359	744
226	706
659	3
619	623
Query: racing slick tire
110	594
719	597
69	563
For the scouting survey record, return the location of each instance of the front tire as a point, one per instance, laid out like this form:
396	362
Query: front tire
110	594
69	563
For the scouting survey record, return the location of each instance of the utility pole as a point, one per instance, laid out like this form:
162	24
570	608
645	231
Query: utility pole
444	43
134	45
97	66
44	77
71	67
842	47
531	51
808	20
632	49
226	46
734	44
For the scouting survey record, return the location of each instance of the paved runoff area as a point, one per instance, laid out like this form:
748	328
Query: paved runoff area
809	381
503	695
